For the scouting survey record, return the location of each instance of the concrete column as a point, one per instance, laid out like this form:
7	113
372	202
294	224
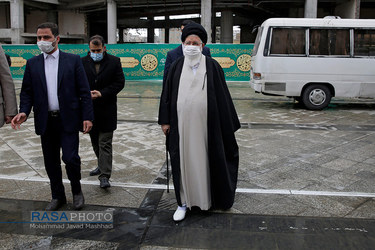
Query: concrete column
52	16
150	35
296	12
121	35
206	9
349	9
17	21
166	30
112	21
311	8
246	34
226	24
213	36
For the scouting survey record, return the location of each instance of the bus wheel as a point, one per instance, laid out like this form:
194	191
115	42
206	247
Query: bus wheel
316	97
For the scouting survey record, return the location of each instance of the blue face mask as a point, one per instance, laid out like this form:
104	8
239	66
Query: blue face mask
97	57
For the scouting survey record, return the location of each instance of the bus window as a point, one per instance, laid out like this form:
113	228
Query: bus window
288	41
342	43
318	42
329	42
364	42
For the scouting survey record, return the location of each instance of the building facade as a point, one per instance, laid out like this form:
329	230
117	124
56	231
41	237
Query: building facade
79	20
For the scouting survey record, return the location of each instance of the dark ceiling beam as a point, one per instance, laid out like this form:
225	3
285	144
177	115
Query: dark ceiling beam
193	9
83	3
94	10
39	5
46	1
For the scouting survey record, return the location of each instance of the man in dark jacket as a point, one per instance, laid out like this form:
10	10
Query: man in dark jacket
55	87
106	79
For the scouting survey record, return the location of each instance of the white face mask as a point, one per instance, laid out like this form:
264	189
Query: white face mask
191	50
46	46
193	54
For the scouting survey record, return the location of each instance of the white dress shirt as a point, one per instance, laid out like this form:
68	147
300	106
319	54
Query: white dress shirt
51	66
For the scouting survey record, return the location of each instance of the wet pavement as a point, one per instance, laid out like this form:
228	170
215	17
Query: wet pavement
306	181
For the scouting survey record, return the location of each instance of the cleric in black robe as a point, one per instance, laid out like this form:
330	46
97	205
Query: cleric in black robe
222	123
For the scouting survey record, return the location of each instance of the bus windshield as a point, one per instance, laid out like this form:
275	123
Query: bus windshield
257	41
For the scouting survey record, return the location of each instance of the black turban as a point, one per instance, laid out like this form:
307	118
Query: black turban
194	29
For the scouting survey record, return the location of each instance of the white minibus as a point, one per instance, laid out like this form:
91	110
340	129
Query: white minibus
313	60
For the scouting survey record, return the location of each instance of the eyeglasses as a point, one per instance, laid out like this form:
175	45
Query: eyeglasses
192	43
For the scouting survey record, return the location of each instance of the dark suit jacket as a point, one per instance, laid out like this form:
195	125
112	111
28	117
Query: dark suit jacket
73	93
176	53
109	81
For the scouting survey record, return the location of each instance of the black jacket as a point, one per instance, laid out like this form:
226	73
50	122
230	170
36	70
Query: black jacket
109	81
73	93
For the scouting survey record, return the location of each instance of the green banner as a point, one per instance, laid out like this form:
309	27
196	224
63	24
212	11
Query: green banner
144	61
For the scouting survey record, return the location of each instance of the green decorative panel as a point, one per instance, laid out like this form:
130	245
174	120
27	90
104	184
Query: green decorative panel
145	61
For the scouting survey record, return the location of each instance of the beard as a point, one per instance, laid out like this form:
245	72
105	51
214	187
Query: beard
193	54
193	60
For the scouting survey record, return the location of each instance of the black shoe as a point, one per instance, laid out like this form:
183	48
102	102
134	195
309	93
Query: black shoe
78	201
55	204
104	182
96	171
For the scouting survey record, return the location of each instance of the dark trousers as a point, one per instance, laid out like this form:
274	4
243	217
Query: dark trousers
53	140
102	145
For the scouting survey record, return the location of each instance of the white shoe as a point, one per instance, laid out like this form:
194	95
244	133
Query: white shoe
180	213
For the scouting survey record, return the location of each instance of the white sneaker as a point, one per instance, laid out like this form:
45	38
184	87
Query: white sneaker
180	213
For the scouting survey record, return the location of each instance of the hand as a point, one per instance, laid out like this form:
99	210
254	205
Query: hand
8	119
165	128
95	94
18	120
87	125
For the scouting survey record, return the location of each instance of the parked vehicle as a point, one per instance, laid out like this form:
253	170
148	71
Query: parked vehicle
313	60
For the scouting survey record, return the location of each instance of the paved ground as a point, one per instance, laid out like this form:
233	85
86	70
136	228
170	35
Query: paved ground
305	181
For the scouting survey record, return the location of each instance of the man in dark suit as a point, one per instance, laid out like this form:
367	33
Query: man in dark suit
106	79
176	53
56	87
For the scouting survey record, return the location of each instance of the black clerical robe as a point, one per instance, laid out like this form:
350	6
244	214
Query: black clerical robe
222	123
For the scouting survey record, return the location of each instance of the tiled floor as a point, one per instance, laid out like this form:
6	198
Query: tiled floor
305	181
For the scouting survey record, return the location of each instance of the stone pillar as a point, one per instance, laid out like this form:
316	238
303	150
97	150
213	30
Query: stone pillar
150	30
166	30
311	8
349	9
213	36
246	35
112	21
206	9
150	35
17	21
121	35
52	16
226	24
